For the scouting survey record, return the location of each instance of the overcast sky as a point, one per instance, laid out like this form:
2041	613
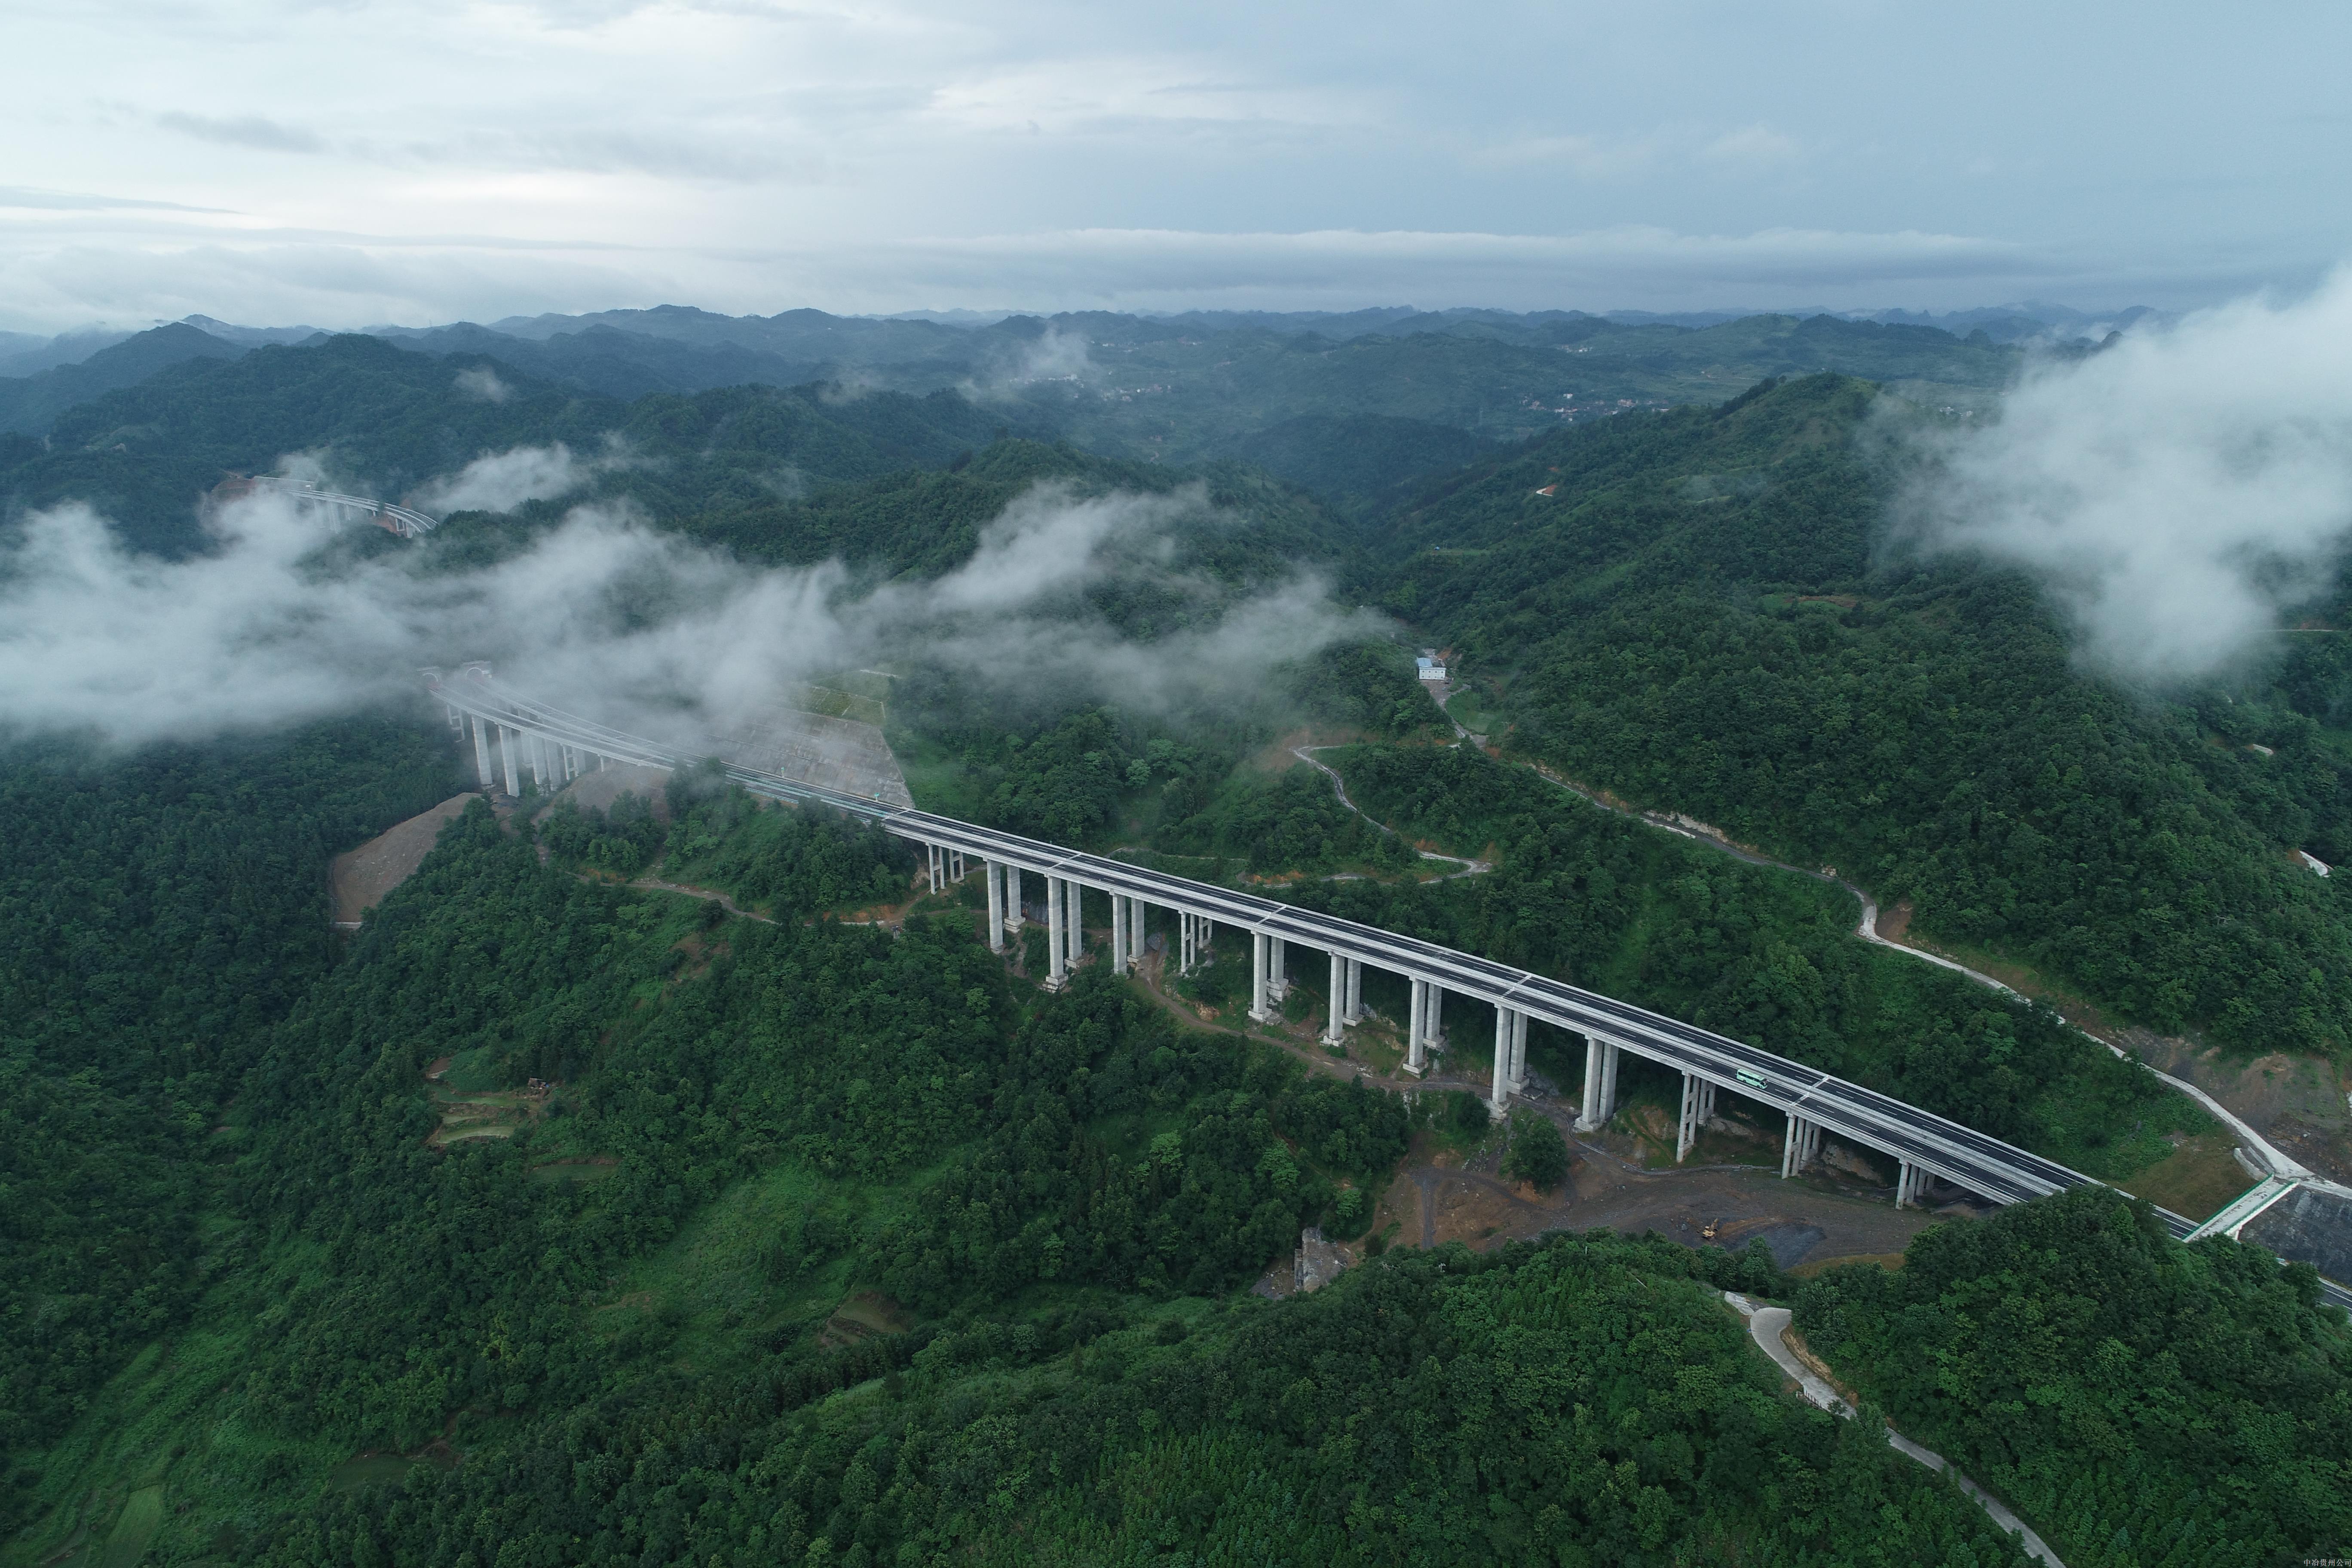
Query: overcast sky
352	164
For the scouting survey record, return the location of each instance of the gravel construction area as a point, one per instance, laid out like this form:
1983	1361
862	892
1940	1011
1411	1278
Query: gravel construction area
361	878
1806	1220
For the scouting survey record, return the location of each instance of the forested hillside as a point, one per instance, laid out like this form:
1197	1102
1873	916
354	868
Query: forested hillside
2110	1384
162	912
556	1217
1705	616
31	404
624	1313
383	421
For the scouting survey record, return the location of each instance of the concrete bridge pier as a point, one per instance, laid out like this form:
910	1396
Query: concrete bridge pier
1335	1031
1600	1084
482	768
1277	970
996	921
1056	941
1518	1050
1798	1149
1137	931
1122	943
1424	1033
510	754
935	865
1354	1012
1910	1181
1498	1093
956	867
1261	990
1699	1106
1192	939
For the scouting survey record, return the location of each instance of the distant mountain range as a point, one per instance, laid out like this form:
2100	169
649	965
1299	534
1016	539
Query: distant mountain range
1350	405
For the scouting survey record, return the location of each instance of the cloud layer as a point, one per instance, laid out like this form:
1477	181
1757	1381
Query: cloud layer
548	155
602	615
502	481
2178	491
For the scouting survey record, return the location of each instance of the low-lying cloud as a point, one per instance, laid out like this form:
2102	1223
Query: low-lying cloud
2178	492
602	614
502	481
1056	354
480	384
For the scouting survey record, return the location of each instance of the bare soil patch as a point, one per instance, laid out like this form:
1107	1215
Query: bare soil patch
2286	1099
360	879
467	1114
863	1317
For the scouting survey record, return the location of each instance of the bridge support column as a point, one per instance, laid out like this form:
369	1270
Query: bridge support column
1056	940
1277	970
1699	1106
1014	918
1910	1181
1425	1033
1499	1094
1599	1085
1138	921
955	866
482	768
1519	1051
995	906
1335	1031
932	865
1260	956
1073	925
510	754
1119	938
1355	1008
1193	935
1799	1147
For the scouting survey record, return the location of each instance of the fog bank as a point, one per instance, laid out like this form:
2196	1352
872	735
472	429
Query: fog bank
602	614
2176	493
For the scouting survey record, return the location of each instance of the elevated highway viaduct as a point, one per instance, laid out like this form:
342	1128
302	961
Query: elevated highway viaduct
513	736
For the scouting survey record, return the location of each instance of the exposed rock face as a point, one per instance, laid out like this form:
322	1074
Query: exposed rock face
1319	1261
